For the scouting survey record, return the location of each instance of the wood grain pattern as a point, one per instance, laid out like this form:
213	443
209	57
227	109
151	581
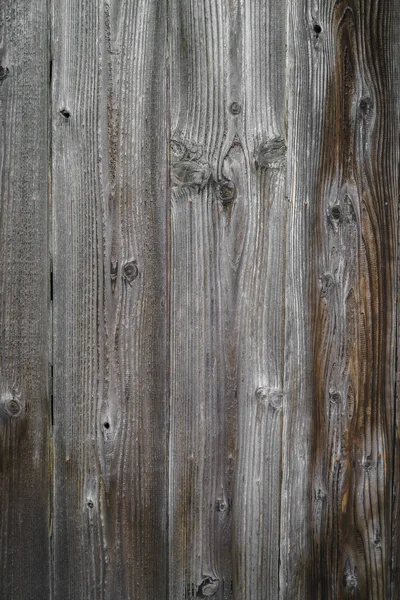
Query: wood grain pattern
342	287
109	186
25	411
199	386
198	502
226	280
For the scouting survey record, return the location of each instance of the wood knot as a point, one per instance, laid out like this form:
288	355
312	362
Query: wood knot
208	587
12	404
317	29
350	580
335	397
327	282
225	191
130	271
270	397
4	72
187	170
368	464
366	105
340	213
235	108
90	504
221	505
271	154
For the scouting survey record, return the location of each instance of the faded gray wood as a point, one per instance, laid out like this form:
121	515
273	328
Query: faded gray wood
199	516
109	188
226	283
223	225
25	411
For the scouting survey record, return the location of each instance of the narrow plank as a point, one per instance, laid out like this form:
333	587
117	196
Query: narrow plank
392	49
25	408
109	187
199	504
256	163
342	252
226	280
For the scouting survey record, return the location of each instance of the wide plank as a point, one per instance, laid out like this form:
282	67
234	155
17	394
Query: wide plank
109	218
341	289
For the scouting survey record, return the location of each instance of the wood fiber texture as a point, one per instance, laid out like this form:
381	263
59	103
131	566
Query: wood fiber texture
109	188
199	300
25	407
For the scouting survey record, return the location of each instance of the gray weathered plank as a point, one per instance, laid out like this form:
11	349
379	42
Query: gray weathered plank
25	411
109	186
258	167
226	285
199	516
341	288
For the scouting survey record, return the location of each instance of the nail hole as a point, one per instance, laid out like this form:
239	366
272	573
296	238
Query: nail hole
317	28
65	113
106	425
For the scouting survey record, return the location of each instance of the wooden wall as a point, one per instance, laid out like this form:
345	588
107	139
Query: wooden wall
199	299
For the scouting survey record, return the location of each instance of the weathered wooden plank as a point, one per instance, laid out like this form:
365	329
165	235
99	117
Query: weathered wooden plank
199	515
392	52
25	410
256	163
341	288
109	186
226	281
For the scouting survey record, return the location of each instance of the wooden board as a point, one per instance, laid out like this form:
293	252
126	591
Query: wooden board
341	291
227	234
109	244
25	408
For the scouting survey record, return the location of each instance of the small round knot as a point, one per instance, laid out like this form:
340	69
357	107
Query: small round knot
235	108
221	506
317	28
208	587
130	271
13	407
226	191
90	504
262	394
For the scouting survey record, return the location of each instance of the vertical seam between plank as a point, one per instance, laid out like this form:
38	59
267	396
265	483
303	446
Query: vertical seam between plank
51	284
167	296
